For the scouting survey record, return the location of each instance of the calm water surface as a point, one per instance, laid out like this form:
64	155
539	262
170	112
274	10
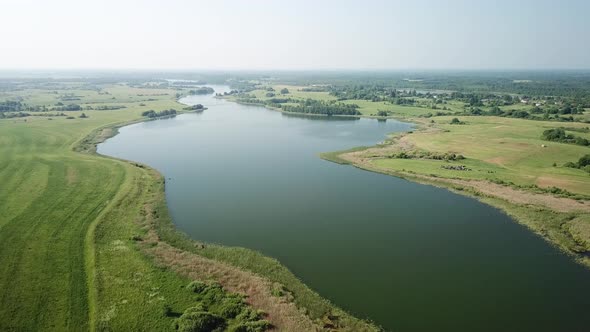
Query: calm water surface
408	256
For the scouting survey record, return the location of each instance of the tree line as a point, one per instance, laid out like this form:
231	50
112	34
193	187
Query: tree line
311	106
153	114
559	135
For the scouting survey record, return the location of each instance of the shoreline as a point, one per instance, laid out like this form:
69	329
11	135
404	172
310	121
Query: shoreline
562	240
360	116
517	212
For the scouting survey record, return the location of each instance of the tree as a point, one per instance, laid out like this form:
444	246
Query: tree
284	91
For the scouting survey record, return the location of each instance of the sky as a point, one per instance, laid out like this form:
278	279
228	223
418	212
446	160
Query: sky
294	34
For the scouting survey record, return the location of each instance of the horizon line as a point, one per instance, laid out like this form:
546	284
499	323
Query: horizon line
243	69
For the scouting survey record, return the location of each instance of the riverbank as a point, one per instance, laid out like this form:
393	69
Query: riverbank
269	286
560	220
519	174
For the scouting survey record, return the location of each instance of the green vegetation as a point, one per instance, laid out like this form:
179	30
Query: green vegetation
311	106
559	135
205	90
583	163
215	309
154	114
197	107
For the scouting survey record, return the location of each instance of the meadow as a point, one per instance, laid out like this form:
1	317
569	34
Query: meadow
498	149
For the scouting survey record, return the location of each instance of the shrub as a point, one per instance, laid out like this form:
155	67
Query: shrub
231	306
197	308
248	315
196	286
257	326
198	321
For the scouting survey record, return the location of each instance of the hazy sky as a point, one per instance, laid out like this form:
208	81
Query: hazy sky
295	34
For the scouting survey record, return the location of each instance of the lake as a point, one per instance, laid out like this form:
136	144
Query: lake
411	257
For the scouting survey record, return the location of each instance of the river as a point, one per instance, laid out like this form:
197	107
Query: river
410	257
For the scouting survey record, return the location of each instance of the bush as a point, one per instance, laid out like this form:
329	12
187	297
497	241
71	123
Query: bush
197	287
231	306
199	321
257	326
582	163
559	135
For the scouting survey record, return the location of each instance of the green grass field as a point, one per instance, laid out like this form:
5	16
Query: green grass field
510	148
51	198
